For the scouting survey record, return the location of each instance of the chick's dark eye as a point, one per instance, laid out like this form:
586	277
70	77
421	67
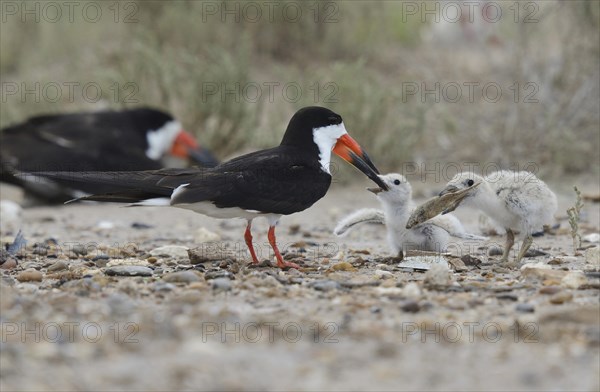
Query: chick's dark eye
470	182
396	182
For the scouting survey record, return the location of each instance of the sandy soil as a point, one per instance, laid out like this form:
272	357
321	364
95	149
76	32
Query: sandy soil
220	325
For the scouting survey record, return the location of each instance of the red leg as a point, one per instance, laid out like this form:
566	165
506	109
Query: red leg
248	238
273	242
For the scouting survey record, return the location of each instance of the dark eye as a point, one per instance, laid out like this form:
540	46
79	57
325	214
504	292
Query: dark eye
470	182
396	182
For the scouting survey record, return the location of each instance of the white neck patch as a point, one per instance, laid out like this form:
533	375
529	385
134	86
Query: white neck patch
161	140
325	138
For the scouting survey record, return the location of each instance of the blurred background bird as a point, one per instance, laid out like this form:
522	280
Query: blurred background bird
135	139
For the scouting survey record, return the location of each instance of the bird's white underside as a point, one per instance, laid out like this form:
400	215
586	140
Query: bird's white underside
325	138
208	208
161	140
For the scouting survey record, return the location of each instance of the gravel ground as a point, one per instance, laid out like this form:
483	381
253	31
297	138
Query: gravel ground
351	320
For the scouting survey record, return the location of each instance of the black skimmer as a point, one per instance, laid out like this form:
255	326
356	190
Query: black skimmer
519	201
269	183
136	139
397	203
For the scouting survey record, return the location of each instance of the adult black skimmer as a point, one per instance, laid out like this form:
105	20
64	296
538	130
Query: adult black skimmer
268	183
137	139
397	203
519	201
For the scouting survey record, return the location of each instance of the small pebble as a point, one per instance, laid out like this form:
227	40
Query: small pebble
570	259
593	237
58	266
27	288
101	262
128	270
561	297
535	253
91	272
592	257
549	290
181	277
574	280
197	286
105	225
191	297
385	267
525	308
80	250
30	265
221	284
412	290
10	211
381	274
457	264
495	251
174	251
437	276
6	261
470	261
30	275
343	266
83	286
218	274
508	296
324	285
163	286
140	226
541	271
410	306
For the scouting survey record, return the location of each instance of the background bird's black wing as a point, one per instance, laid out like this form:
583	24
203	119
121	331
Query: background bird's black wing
131	186
76	142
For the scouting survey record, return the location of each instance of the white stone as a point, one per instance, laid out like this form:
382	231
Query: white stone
539	265
105	225
174	251
412	290
573	280
592	256
10	212
438	275
381	274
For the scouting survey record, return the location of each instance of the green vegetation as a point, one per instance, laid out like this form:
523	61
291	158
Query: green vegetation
573	214
359	58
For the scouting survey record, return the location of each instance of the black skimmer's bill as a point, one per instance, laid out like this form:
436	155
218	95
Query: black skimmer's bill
397	203
519	201
136	139
268	183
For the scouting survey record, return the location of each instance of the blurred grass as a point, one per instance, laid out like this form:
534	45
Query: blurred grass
358	54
